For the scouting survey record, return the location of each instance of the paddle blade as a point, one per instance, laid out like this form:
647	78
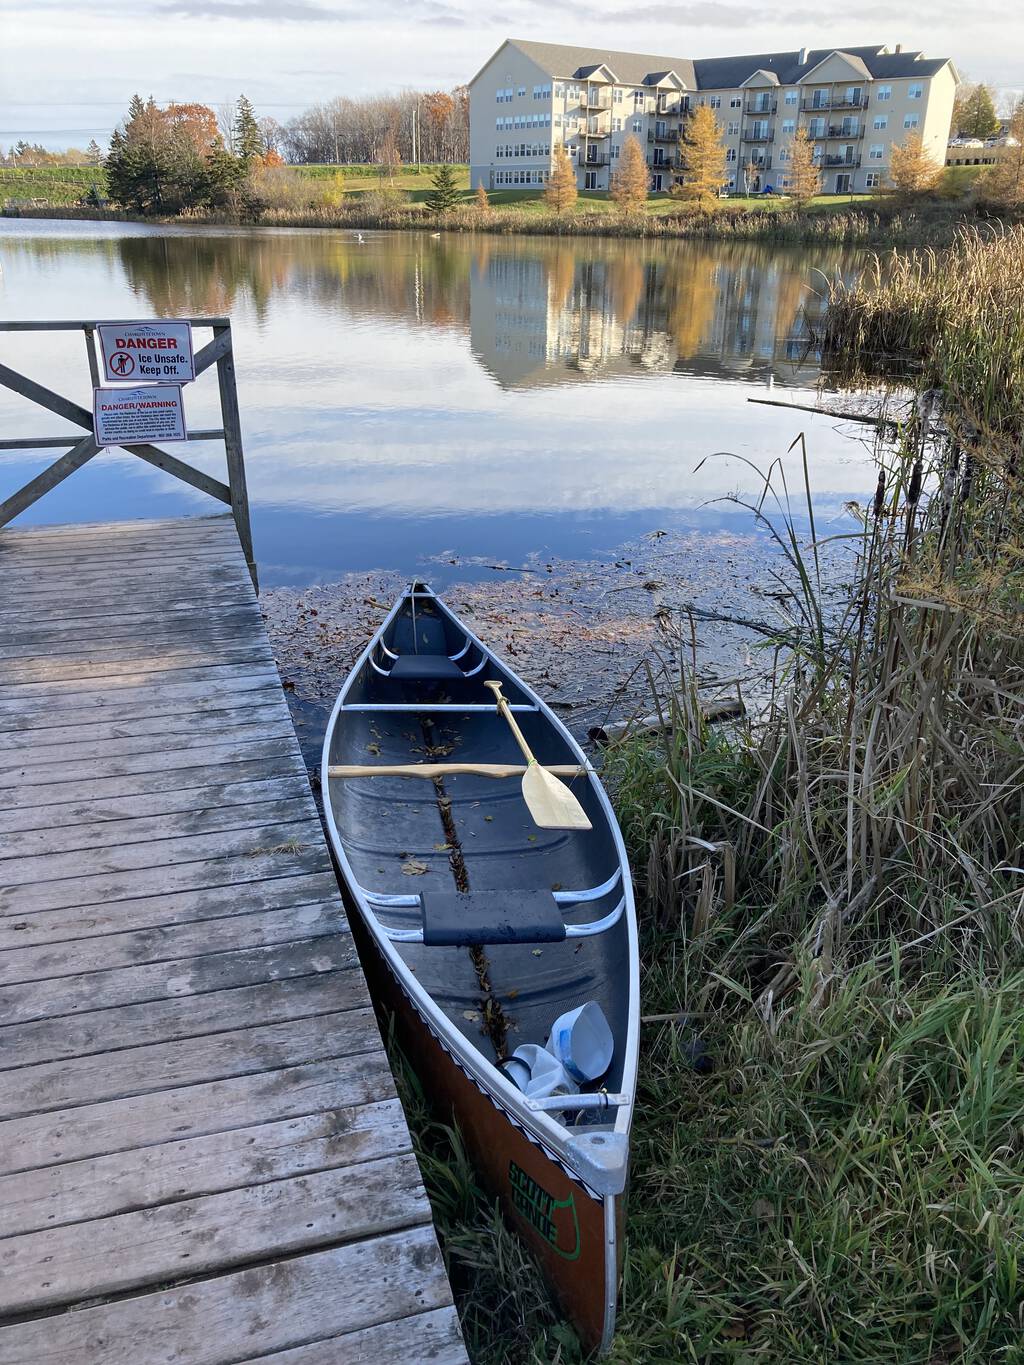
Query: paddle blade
550	802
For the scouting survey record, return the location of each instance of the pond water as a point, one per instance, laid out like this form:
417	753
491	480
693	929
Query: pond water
438	406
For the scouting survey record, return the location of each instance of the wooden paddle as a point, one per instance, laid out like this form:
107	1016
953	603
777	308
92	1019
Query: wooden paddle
550	803
442	769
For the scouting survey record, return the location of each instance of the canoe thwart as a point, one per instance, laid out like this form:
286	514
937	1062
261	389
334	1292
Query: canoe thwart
446	769
551	805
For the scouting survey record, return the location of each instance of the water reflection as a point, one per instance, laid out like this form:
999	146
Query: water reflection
409	399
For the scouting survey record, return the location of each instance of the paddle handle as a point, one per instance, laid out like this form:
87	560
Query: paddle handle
505	710
443	769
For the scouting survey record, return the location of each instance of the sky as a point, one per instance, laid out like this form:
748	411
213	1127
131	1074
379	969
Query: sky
69	67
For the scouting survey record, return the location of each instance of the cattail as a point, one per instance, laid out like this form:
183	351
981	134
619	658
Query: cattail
879	495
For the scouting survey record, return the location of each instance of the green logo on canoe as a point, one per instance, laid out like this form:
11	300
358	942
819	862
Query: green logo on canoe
555	1219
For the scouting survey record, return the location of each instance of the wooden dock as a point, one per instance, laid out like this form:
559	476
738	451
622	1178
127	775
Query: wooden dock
202	1155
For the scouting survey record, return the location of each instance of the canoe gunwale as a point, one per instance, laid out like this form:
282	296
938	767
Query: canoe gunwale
552	1135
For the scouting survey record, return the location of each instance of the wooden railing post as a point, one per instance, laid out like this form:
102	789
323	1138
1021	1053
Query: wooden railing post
233	450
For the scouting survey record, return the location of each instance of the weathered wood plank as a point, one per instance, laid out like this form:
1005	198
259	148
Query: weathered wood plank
176	1017
160	768
218	522
61	1136
166	1066
59	839
252	1312
160	657
434	1337
20	720
209	1234
112	602
133	683
102	1187
201	770
40	755
210	971
186	720
165	910
54	634
37	709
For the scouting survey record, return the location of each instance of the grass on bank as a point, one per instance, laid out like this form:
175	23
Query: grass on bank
832	908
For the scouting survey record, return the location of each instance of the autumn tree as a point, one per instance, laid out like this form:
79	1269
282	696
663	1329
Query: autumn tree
1002	184
388	157
974	113
247	140
631	179
166	160
444	194
804	173
483	203
561	192
912	169
703	154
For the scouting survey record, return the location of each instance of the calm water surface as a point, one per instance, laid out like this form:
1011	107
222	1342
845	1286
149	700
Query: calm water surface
411	401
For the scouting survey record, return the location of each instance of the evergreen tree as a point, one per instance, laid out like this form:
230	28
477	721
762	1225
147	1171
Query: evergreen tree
631	179
703	156
247	139
445	193
166	160
913	170
804	173
561	192
974	114
95	153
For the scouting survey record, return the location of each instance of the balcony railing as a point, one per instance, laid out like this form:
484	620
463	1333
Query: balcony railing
834	102
758	135
765	164
596	101
850	163
671	163
602	159
666	135
755	107
670	106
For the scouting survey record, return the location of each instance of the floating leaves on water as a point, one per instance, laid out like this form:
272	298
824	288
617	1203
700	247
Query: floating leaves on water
472	1015
442	848
537	952
413	868
373	748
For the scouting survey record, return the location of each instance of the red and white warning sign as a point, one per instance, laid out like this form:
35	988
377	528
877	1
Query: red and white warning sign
126	417
147	352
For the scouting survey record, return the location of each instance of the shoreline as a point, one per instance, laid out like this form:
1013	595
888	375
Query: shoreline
887	225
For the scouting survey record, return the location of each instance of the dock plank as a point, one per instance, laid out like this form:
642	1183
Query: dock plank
203	1158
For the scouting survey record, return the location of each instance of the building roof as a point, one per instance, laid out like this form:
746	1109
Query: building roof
566	62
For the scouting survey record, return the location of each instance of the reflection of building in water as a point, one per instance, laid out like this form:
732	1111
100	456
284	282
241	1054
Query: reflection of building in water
544	315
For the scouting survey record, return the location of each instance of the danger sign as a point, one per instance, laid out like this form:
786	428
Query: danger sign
126	417
151	352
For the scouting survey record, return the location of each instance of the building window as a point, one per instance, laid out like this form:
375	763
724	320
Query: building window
616	125
715	101
876	152
730	154
638	125
559	92
881	122
915	92
615	151
617	95
911	121
792	97
783	154
872	180
736	102
884	92
522	92
732	129
789	125
590	180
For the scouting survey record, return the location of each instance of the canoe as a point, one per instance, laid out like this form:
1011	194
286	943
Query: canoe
489	928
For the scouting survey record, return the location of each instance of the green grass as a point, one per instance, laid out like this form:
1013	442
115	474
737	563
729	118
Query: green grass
61	185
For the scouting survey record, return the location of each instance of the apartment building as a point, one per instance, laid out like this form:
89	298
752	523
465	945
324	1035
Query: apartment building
855	103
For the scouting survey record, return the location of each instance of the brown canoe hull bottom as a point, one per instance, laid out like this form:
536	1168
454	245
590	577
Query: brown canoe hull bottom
558	1218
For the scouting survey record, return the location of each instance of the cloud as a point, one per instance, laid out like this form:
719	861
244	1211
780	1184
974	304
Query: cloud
433	12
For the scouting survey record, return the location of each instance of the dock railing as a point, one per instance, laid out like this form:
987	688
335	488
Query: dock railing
81	449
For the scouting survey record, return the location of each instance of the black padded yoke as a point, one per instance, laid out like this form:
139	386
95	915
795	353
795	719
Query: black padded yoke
425	668
459	919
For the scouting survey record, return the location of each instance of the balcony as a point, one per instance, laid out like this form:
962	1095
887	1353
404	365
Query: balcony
756	107
596	100
595	162
826	102
597	130
666	135
756	135
670	163
846	163
846	134
764	164
670	106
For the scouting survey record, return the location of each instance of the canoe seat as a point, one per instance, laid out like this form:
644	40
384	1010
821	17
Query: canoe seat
425	668
456	918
